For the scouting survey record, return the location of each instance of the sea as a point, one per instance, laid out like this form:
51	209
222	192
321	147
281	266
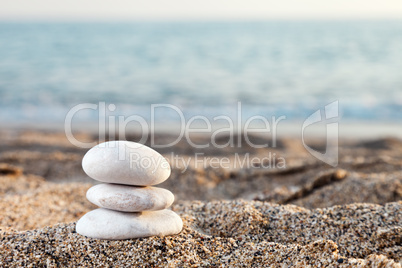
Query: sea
200	68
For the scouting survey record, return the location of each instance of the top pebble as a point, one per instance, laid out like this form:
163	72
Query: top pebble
125	162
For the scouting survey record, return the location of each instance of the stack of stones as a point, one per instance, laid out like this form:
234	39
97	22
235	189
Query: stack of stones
130	206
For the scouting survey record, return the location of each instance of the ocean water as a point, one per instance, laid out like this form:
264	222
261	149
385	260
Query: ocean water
204	68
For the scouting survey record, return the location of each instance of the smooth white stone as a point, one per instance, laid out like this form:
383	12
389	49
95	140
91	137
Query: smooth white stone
108	224
125	162
130	198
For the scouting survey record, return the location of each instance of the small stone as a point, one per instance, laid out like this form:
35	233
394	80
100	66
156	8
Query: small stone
129	198
340	174
103	223
125	162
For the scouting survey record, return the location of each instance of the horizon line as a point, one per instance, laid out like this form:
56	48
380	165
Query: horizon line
184	19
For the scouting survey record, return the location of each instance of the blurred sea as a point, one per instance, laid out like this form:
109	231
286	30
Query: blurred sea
274	68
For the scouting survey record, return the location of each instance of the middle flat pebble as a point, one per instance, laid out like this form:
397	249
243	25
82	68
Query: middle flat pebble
129	198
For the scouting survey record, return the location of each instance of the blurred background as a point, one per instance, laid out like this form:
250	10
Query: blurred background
289	58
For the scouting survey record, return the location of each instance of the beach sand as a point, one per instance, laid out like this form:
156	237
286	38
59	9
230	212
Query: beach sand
302	213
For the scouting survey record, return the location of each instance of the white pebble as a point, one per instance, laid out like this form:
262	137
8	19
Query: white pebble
130	198
109	224
125	162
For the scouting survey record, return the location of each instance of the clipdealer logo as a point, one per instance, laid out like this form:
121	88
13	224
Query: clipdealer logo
330	115
235	128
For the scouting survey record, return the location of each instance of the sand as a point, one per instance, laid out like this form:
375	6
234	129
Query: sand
307	213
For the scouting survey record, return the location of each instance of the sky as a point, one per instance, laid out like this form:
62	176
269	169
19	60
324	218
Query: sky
198	10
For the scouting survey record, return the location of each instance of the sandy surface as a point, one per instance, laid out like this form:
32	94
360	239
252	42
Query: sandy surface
307	213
